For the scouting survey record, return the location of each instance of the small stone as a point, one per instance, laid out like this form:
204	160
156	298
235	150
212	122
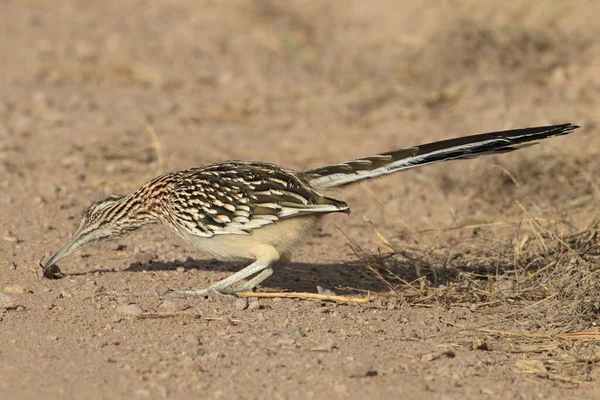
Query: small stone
152	291
215	355
194	312
52	338
254	305
5	301
12	266
341	389
226	323
130	309
193	351
486	391
192	340
142	257
10	237
124	301
325	291
168	307
180	270
241	304
16	289
143	393
287	342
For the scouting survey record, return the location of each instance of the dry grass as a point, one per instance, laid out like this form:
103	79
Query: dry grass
530	269
544	267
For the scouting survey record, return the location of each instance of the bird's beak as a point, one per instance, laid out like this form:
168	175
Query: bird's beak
62	253
50	268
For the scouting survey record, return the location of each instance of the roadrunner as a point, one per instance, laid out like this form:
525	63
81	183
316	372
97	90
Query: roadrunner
259	211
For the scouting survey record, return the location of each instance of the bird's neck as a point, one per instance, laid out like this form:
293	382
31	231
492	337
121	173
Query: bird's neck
146	205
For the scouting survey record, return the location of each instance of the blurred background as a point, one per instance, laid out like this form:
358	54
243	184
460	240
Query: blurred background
98	97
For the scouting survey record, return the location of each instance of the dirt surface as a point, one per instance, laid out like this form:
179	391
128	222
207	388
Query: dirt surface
98	97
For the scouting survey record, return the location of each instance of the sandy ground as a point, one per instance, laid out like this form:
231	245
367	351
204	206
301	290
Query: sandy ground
98	97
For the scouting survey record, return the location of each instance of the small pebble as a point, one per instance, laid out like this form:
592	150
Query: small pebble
226	323
16	289
192	340
124	301
5	301
254	305
168	307
325	291
287	342
12	265
241	304
130	309
180	270
143	393
194	351
215	355
152	291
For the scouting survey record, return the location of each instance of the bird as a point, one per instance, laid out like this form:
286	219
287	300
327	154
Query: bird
260	212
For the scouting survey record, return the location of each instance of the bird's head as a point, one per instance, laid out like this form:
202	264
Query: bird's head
106	219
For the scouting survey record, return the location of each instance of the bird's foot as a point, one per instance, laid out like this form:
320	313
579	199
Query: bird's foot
208	292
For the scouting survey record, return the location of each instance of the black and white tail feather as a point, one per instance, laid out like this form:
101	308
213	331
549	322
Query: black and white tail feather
348	172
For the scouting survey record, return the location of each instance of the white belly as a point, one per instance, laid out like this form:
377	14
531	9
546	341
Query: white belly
283	236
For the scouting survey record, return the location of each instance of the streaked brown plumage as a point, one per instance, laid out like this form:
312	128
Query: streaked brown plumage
260	211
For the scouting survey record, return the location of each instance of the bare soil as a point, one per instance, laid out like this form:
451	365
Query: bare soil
482	274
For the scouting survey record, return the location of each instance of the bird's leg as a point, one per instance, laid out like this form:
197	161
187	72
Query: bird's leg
262	267
222	286
251	284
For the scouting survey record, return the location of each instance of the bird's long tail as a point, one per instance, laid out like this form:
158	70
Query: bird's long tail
348	172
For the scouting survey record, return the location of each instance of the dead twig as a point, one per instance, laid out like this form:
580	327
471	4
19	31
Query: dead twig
312	296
